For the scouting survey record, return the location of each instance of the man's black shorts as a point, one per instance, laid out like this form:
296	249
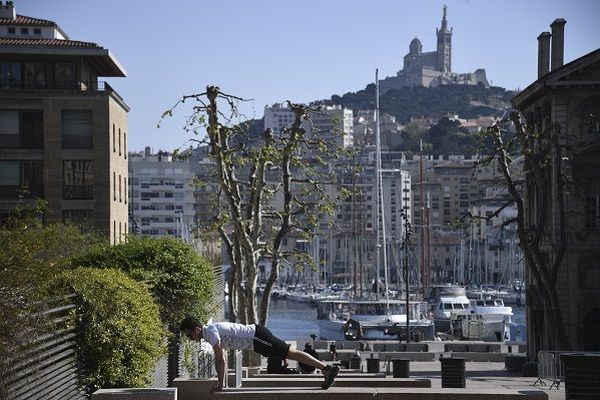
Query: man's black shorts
268	345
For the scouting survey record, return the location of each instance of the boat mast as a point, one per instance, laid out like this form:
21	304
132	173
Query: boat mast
380	208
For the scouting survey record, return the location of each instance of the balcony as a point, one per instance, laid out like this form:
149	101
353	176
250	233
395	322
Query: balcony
71	87
21	142
78	192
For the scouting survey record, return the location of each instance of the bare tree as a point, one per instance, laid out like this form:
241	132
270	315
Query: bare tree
270	189
543	243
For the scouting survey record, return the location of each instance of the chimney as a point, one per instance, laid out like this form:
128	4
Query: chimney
147	151
543	53
8	11
558	42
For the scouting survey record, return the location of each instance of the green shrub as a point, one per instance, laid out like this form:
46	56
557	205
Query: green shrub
120	334
30	255
181	281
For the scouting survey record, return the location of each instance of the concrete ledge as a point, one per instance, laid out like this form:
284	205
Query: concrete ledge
136	394
358	393
458	394
479	357
194	388
339	382
333	393
383	355
406	355
342	374
392	346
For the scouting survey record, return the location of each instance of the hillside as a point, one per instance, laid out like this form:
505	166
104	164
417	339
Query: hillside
462	100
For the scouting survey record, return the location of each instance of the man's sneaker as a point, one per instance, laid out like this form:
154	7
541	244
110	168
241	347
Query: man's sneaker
330	372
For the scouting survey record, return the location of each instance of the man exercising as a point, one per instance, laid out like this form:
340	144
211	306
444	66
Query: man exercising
232	336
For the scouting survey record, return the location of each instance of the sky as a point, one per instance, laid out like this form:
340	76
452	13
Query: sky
277	50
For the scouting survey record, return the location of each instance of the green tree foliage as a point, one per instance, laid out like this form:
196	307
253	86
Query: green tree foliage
447	137
468	101
181	281
120	334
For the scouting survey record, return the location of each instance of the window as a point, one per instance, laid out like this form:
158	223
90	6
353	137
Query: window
120	192
10	74
115	186
9	129
125	144
24	31
9	173
34	74
37	31
78	179
114	139
64	75
77	129
12	31
125	185
119	141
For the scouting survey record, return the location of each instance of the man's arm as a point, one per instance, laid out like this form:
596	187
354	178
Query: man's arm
220	366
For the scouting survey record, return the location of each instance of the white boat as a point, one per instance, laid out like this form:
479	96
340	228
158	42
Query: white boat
372	320
444	307
485	319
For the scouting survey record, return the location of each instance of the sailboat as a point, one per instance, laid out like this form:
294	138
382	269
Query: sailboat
379	318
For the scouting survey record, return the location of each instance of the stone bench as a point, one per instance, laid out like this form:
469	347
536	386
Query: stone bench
136	394
383	355
339	382
473	347
391	346
478	357
358	393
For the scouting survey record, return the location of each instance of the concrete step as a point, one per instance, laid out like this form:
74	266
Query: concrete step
339	382
342	393
342	374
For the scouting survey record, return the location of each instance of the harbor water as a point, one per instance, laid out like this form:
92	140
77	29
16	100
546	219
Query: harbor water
291	320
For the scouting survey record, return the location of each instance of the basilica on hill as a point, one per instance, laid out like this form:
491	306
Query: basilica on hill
433	68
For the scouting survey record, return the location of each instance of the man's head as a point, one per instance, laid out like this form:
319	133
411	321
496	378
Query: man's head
191	328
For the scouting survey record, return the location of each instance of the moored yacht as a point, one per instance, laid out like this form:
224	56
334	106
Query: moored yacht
372	320
485	319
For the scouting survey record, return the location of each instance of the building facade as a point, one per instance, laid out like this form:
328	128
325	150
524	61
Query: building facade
562	110
432	68
161	197
63	133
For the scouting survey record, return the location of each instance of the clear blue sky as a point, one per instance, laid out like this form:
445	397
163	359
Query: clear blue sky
274	50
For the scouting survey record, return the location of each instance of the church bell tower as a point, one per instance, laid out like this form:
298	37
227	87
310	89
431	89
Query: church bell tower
444	45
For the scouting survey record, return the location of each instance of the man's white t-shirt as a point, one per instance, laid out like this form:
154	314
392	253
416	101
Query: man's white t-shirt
230	335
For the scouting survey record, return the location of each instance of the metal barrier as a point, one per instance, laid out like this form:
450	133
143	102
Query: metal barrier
551	368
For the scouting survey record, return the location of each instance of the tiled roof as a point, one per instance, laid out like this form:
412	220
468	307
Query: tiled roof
23	20
45	42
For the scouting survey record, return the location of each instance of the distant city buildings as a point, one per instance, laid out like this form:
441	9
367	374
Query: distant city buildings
63	132
432	68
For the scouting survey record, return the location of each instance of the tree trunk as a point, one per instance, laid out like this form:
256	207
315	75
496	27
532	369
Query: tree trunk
266	299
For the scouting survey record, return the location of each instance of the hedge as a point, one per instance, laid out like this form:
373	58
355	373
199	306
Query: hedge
120	334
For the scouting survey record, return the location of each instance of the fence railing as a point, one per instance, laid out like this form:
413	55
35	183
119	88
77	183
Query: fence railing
47	369
551	368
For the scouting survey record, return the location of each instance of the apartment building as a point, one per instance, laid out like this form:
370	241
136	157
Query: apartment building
161	194
63	132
